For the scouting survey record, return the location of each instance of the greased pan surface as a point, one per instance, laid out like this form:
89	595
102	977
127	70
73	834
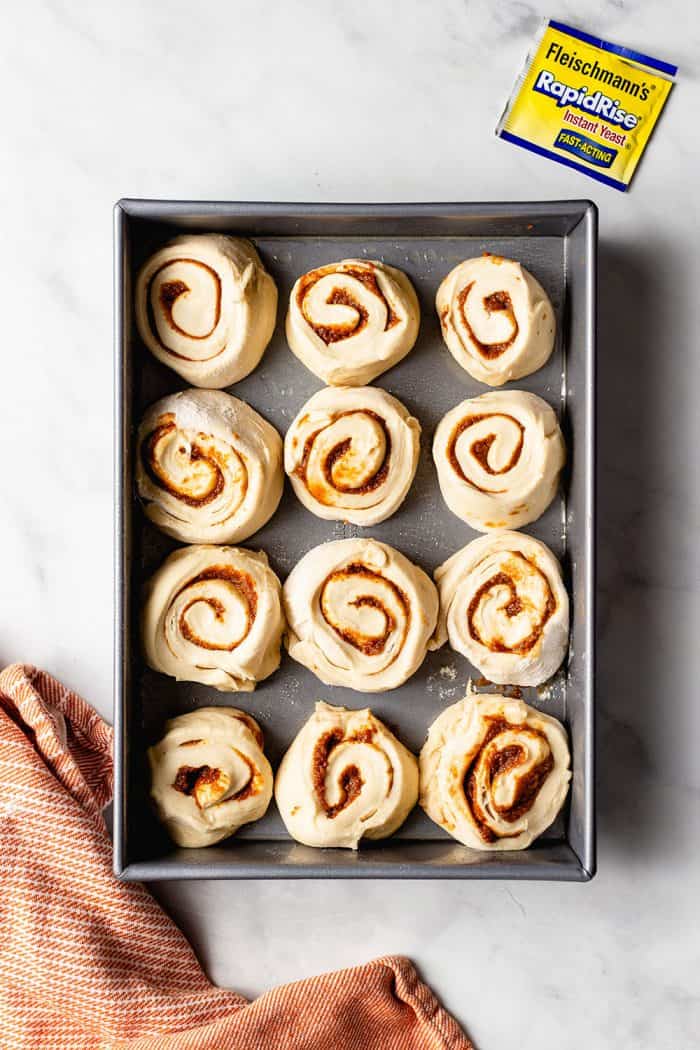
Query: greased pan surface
557	242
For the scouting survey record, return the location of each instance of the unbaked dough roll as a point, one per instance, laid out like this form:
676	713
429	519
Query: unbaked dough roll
359	614
351	454
209	775
344	778
496	319
503	605
209	468
498	458
206	307
494	772
350	321
214	615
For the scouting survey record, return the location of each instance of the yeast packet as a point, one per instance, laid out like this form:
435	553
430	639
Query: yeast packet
586	103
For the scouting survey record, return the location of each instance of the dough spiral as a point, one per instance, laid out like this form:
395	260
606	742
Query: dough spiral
359	614
351	454
503	605
494	772
350	321
345	777
206	307
208	468
214	615
498	458
209	775
496	319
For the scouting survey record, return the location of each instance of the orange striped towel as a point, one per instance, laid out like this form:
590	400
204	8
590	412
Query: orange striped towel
89	962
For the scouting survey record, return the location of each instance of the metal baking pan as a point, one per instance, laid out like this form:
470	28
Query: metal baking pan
557	241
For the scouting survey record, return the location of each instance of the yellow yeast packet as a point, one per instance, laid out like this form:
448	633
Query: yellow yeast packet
586	103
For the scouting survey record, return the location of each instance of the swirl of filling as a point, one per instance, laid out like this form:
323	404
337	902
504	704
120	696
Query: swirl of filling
206	307
209	775
214	615
350	321
351	454
494	772
503	605
209	468
345	777
498	458
497	320
359	614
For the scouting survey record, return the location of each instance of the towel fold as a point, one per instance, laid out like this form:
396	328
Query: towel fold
90	962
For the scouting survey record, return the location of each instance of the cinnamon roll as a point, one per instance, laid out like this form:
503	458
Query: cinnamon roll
344	778
359	614
208	467
498	458
497	320
214	615
209	775
351	454
494	772
206	307
503	605
350	321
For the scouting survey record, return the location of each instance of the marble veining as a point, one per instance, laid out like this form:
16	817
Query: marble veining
365	102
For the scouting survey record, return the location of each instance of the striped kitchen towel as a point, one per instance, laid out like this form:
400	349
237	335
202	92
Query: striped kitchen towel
90	962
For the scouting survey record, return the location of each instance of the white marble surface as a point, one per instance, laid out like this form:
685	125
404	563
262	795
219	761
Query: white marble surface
368	101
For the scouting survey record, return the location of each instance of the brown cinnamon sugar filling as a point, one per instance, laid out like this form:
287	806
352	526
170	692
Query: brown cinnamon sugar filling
512	608
338	451
159	478
500	761
169	292
493	303
243	583
335	333
480	449
191	780
188	776
370	646
350	782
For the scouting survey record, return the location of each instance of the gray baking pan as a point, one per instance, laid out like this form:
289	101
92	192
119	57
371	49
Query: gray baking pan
557	242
